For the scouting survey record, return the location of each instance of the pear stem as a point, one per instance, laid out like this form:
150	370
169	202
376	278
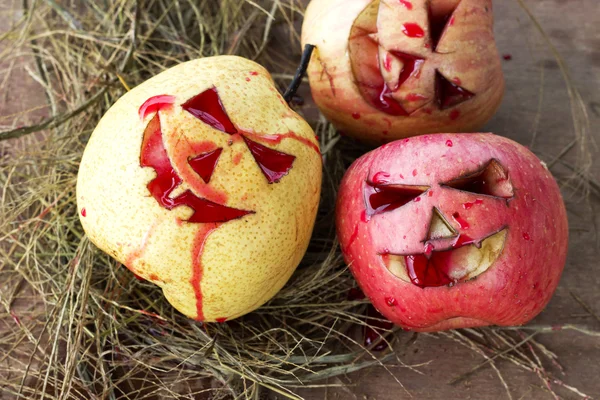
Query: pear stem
293	87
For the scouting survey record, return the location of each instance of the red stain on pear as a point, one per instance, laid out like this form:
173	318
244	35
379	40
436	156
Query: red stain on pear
83	212
204	164
221	320
237	158
381	178
253	73
387	63
454	115
356	115
415	97
197	269
413	30
449	143
391	301
155	103
207	107
273	164
526	236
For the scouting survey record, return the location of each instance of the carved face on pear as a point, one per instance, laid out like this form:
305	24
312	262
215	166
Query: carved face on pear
203	181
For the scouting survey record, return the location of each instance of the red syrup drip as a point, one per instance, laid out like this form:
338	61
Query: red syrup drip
380	97
276	139
406	4
253	73
155	103
353	237
139	278
204	164
221	320
154	155
449	143
207	107
356	115
83	212
384	198
197	269
460	221
430	271
273	164
449	94
413	30
391	301
468	205
376	329
411	66
381	177
526	236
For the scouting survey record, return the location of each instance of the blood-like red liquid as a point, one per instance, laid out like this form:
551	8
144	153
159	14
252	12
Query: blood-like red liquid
381	177
374	333
413	30
384	198
197	269
273	164
207	107
221	320
154	155
449	143
449	94
155	103
411	66
460	221
204	164
468	205
83	212
406	4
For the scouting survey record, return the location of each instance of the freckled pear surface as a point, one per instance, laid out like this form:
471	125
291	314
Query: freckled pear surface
388	69
461	230
203	181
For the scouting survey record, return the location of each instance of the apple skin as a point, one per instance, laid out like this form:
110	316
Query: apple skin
236	265
521	281
466	52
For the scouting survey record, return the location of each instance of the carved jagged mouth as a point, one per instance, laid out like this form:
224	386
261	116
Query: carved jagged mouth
464	260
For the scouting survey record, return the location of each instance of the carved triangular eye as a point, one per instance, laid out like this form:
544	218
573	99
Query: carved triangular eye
439	228
207	107
491	180
388	197
439	15
449	94
204	164
273	164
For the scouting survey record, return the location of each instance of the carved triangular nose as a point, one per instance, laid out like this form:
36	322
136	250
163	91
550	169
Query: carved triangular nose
439	228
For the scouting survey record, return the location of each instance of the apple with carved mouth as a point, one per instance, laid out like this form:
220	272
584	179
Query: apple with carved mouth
389	69
203	181
453	230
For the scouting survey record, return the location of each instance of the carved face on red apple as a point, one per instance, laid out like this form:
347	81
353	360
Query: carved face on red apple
387	69
447	231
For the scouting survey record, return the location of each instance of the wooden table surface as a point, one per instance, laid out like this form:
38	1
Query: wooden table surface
536	104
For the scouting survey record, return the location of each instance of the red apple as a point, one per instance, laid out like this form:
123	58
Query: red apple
453	230
389	69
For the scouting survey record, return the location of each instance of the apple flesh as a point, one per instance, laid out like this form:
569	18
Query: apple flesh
453	230
388	69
